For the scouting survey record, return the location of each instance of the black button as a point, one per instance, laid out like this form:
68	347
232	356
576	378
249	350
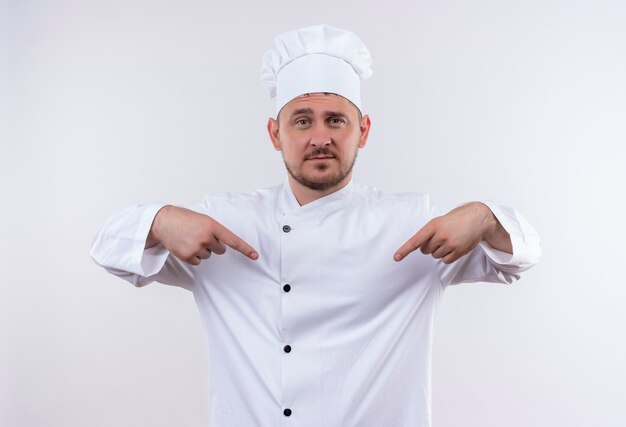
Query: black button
286	288
287	348
287	412
286	228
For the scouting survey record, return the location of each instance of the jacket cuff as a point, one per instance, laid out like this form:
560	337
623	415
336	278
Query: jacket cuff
151	260
524	239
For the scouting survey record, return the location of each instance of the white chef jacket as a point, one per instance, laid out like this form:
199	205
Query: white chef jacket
325	329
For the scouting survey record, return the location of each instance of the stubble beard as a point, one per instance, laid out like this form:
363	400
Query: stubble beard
325	183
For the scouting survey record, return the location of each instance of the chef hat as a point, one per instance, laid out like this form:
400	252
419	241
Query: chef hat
320	58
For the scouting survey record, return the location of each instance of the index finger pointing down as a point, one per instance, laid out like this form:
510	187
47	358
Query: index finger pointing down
235	242
417	240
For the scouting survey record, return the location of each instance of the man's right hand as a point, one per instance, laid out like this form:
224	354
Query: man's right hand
192	237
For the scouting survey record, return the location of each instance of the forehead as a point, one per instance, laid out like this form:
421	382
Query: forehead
319	101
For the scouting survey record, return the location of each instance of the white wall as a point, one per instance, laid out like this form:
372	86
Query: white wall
117	102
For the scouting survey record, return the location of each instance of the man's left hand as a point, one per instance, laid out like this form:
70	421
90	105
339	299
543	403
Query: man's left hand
455	234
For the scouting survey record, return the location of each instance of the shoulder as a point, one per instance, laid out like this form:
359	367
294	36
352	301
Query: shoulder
374	197
404	211
233	200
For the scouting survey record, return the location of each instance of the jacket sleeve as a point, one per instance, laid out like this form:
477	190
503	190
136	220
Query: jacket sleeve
486	264
118	247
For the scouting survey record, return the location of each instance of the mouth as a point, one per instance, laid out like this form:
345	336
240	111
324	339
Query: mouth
320	155
321	158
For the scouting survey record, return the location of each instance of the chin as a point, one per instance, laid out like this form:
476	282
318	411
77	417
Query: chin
319	177
327	175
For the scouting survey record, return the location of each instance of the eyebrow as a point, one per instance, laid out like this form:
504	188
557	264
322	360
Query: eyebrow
310	111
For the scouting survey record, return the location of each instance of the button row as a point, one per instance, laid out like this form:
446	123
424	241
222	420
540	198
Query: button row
287	348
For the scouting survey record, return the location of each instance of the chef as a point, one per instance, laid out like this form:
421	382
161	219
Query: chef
319	295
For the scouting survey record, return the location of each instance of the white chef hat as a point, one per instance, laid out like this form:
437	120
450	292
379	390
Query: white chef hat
320	58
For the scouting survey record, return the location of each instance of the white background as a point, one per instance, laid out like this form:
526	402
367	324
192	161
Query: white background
109	103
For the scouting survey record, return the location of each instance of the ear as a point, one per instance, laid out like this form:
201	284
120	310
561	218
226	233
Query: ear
272	129
365	130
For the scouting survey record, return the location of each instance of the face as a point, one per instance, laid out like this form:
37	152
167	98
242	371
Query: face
319	135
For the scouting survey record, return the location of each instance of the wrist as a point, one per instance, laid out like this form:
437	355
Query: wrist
495	234
489	221
154	236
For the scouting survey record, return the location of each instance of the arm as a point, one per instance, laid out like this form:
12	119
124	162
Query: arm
449	237
192	236
119	244
146	243
477	242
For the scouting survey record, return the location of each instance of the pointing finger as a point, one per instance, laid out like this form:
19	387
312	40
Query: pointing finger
417	240
233	241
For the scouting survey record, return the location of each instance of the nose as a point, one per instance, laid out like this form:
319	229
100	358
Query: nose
320	136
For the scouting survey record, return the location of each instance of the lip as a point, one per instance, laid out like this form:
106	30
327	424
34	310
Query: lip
322	158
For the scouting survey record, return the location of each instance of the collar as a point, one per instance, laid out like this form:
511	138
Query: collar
288	204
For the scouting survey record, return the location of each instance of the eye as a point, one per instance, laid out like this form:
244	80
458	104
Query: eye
302	122
336	120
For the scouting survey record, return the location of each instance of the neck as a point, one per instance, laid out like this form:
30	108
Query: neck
305	195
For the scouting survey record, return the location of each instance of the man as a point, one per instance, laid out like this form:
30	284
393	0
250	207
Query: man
322	314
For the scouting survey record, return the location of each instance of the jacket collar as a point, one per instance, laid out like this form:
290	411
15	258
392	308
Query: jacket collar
288	204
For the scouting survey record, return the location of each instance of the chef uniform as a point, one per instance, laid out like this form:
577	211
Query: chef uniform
325	329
